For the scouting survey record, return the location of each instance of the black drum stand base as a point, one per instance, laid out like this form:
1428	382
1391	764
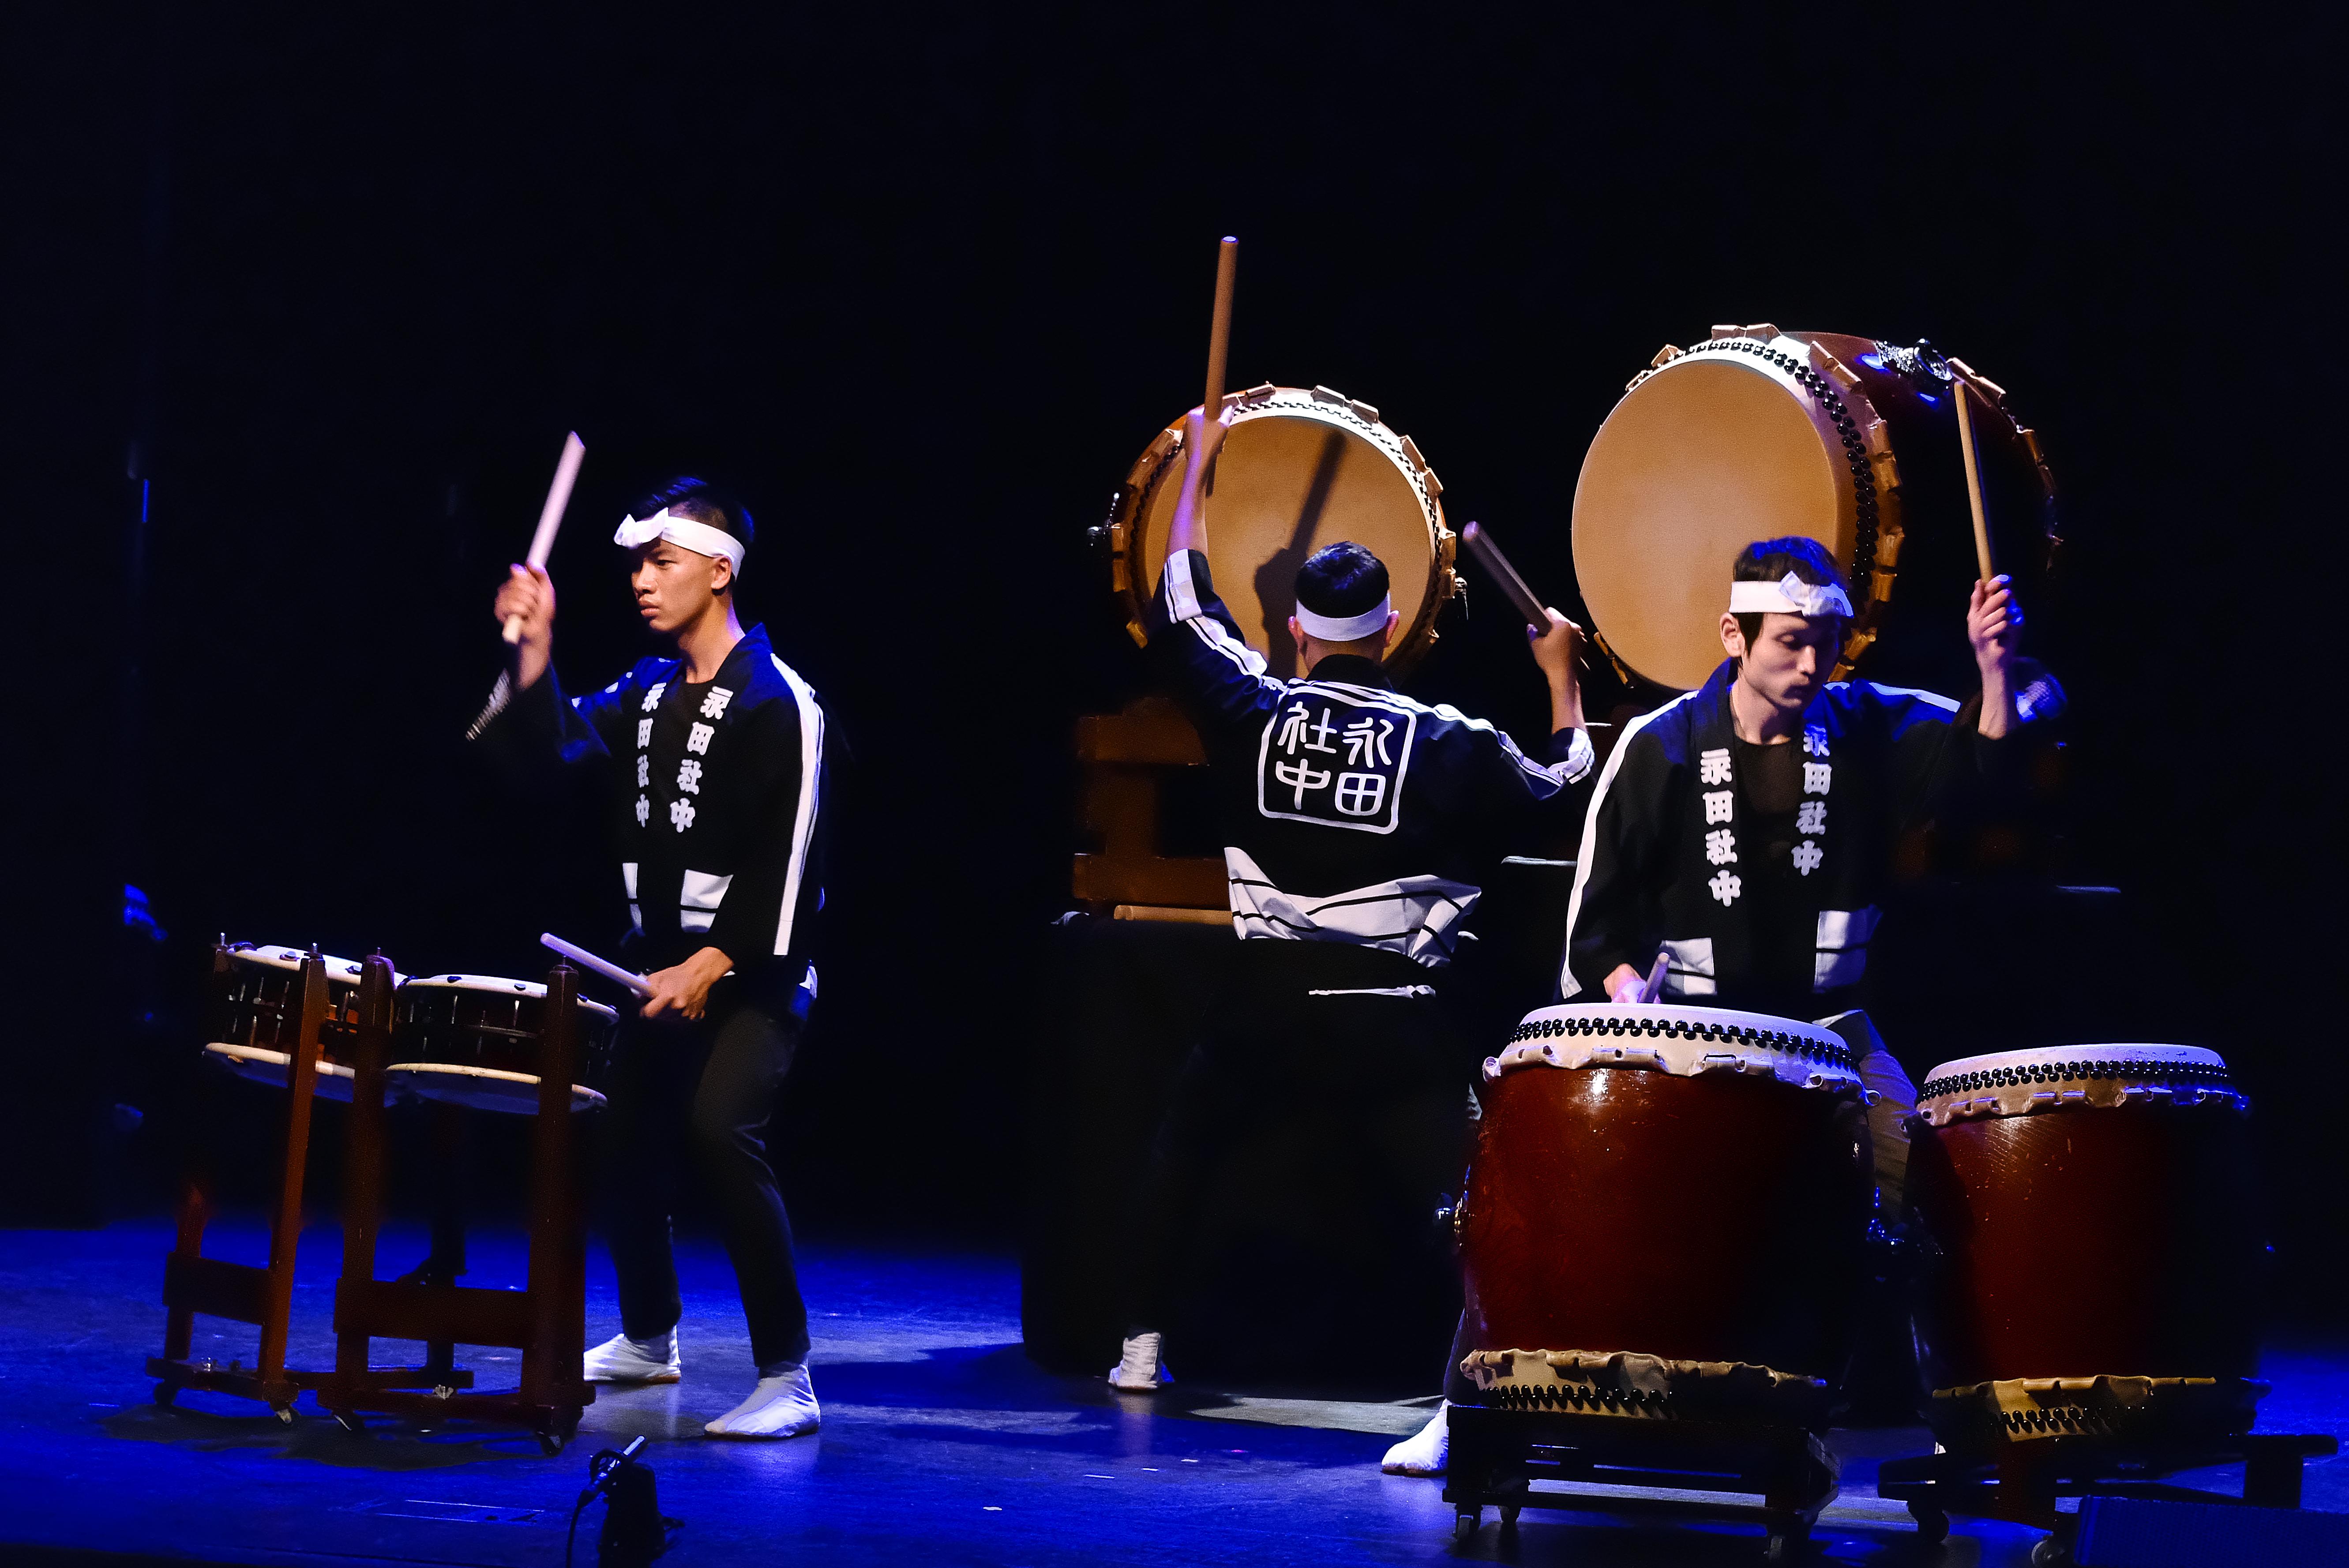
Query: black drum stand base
2019	1482
1696	1469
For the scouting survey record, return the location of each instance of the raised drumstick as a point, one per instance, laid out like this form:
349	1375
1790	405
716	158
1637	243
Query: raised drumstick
586	960
1183	531
1973	479
550	517
1496	566
1219	328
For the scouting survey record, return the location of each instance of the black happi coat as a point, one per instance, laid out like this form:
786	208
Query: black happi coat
1672	860
1351	813
716	795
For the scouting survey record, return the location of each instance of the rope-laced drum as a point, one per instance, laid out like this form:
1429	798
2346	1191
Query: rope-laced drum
474	1040
2100	1261
259	1002
1297	470
1758	434
1667	1214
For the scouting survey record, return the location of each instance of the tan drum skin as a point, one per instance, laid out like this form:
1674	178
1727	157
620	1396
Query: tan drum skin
1300	468
1759	433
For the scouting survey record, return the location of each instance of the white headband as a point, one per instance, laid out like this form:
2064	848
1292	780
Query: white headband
1350	628
681	532
1790	595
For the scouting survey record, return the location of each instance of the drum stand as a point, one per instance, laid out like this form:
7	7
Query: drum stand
2018	1483
1497	1455
546	1321
193	1283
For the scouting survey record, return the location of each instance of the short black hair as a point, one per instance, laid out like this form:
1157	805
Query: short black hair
704	502
1341	580
1769	560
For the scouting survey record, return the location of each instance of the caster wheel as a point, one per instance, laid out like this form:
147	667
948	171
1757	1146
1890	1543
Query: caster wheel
1510	1517
284	1413
551	1443
1464	1526
167	1394
2049	1553
1932	1525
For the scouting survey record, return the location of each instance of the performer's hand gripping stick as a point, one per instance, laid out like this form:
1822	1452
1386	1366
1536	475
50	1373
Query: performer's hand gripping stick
586	960
550	517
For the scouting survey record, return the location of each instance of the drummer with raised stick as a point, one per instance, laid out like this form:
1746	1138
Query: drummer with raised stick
1358	823
713	765
1742	834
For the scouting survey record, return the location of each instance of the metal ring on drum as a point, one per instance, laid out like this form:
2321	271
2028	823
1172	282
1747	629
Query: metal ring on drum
472	1041
1666	1215
263	985
1298	469
2094	1211
1760	434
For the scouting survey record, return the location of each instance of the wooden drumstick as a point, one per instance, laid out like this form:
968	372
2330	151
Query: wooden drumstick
587	960
550	517
1219	330
1184	531
1653	985
1496	566
1973	479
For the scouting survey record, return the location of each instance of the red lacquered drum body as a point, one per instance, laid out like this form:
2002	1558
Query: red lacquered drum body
2101	1258
1667	1214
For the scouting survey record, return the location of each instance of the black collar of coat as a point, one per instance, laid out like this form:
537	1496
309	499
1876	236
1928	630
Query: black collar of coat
1353	669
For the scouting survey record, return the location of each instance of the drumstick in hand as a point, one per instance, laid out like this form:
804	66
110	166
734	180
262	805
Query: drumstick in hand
1965	398
550	517
1184	531
1653	985
1487	554
587	960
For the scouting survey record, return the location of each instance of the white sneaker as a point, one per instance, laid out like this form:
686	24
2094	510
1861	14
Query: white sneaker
1424	1454
781	1407
1139	1370
621	1359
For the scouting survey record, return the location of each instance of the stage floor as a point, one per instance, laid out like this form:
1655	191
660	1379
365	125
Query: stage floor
942	1443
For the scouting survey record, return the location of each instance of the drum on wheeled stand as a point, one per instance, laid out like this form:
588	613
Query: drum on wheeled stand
1663	1244
2089	1318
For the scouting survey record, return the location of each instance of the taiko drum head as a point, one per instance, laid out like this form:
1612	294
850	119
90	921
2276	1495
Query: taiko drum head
1760	434
1298	469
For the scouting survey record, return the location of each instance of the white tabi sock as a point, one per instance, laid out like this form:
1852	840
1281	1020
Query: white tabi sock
1425	1453
780	1407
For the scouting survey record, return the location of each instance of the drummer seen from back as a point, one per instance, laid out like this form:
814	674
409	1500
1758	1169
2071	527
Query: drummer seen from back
1745	832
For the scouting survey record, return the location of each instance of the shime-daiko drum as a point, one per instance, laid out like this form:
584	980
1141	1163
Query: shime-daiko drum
1667	1215
259	994
474	1040
2100	1262
1759	434
1298	469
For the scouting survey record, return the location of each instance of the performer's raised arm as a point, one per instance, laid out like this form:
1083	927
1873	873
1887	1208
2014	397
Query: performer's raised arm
528	595
1994	625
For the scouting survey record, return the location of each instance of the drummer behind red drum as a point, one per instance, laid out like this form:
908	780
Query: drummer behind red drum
1355	818
714	765
1745	830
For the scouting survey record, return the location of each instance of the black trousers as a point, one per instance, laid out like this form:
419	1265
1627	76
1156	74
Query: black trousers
1391	1066
698	1097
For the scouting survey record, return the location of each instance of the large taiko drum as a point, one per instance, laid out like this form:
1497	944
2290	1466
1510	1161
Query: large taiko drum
1297	470
2099	1262
259	1002
474	1040
1758	434
1667	1215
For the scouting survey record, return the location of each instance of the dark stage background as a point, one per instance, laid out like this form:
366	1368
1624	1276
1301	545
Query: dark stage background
330	288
